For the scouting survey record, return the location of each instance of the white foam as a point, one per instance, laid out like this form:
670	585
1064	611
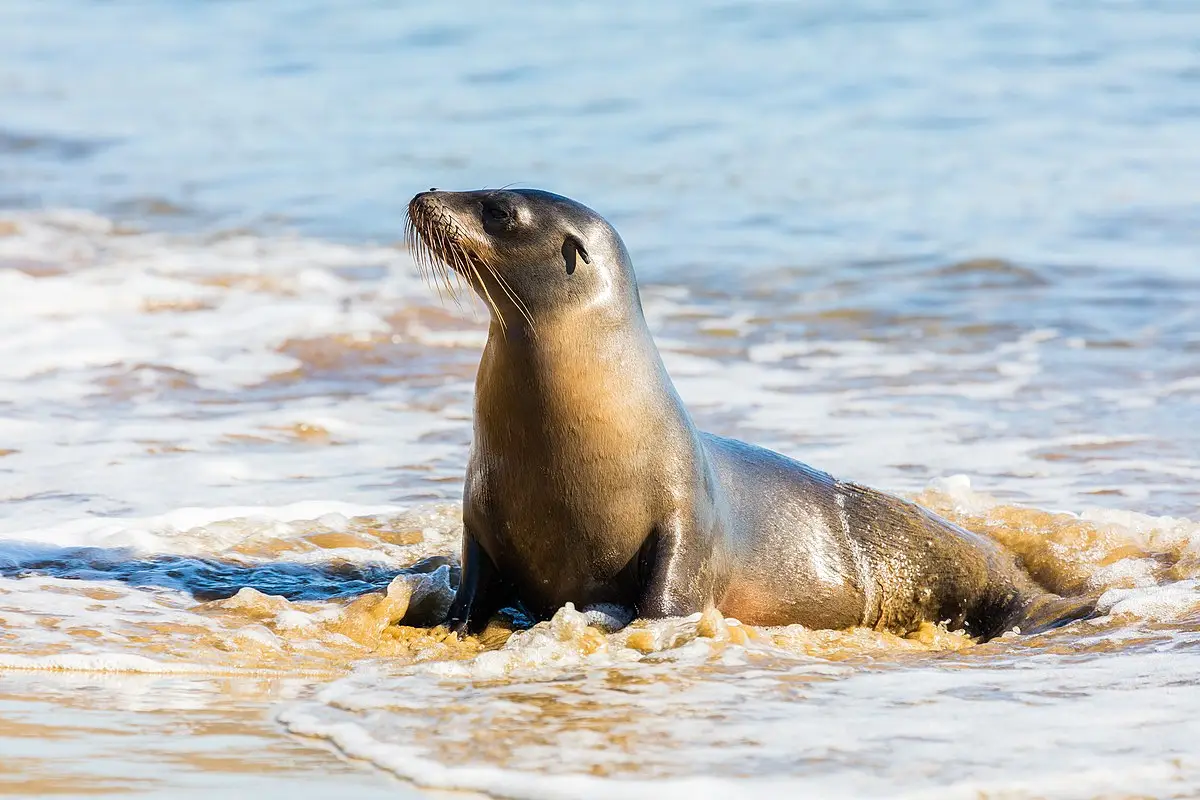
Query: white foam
1154	603
190	531
665	729
413	764
108	347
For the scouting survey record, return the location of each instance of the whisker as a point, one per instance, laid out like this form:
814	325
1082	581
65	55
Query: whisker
488	295
461	265
448	261
508	290
516	298
421	256
444	274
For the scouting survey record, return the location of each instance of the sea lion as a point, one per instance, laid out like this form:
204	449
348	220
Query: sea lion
589	483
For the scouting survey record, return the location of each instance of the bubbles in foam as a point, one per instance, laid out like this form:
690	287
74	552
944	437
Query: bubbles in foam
562	710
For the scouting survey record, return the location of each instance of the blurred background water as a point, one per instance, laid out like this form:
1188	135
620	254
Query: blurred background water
896	240
724	137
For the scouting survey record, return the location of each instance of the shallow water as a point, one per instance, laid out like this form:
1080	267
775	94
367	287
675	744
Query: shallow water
129	735
951	253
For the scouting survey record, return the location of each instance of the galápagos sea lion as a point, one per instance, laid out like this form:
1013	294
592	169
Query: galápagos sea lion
589	483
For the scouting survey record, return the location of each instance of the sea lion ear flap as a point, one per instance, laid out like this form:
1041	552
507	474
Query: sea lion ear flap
573	245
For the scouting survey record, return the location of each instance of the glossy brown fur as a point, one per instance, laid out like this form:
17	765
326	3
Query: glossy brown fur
588	482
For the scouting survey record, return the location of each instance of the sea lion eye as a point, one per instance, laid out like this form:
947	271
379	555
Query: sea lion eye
495	212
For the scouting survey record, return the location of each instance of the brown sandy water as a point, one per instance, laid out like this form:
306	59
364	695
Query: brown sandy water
93	735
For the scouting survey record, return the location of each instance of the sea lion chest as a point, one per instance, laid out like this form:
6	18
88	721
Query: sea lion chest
564	486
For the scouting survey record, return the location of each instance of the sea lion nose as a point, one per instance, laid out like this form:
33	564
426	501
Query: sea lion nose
424	202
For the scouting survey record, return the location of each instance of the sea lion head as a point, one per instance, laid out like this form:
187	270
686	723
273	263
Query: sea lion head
527	253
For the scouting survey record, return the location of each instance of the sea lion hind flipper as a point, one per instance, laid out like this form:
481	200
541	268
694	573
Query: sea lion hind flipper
1049	611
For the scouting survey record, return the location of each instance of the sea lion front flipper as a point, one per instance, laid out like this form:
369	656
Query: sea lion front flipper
674	574
481	590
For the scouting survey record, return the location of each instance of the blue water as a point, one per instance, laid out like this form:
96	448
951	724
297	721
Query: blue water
720	137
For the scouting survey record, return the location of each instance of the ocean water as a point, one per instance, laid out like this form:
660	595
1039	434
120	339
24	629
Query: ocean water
949	251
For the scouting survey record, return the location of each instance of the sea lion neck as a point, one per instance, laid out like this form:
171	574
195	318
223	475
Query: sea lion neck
552	344
562	362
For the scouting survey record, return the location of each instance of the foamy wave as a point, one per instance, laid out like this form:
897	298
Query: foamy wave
86	296
413	763
144	371
1140	567
1154	603
563	712
194	531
